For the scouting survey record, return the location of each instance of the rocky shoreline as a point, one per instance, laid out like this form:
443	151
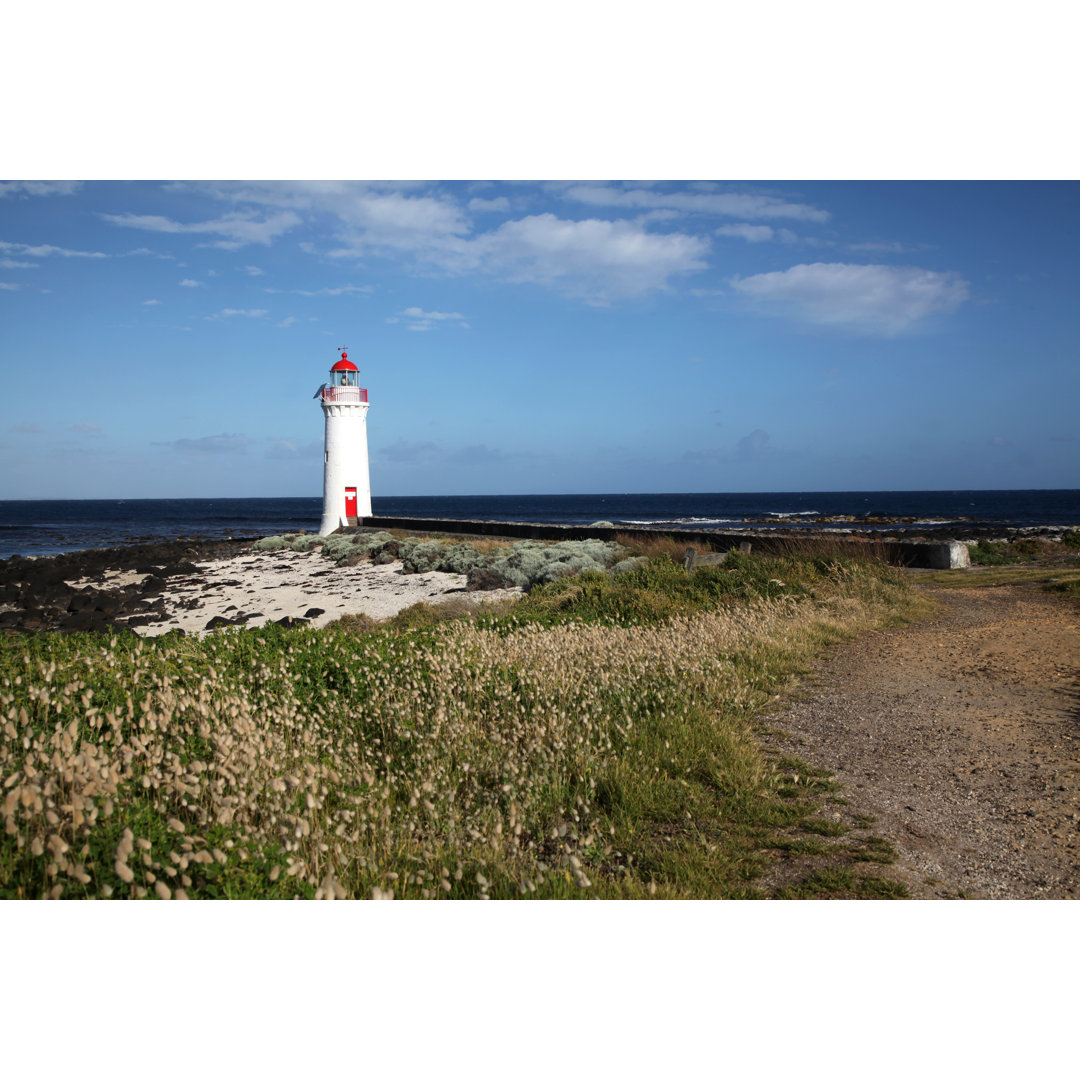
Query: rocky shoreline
148	587
186	587
37	593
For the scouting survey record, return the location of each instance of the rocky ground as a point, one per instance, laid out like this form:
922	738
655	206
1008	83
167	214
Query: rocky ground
960	735
118	587
192	588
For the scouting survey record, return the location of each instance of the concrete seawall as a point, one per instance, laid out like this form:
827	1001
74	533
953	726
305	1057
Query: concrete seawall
928	554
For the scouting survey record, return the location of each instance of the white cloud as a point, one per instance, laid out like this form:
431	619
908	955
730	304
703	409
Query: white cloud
85	427
420	224
726	205
874	299
420	313
594	259
893	247
11	286
26	429
212	444
228	313
150	303
370	215
188	283
238	228
254	271
419	319
287	321
14	264
755	234
340	290
43	250
490	206
39	187
154	254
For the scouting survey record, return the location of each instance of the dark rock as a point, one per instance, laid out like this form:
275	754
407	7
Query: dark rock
179	568
82	600
482	578
313	612
219	620
290	621
109	603
56	594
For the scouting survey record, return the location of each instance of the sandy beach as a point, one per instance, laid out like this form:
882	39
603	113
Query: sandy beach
258	587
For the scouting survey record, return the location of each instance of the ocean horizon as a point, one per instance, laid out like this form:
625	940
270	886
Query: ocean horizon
51	526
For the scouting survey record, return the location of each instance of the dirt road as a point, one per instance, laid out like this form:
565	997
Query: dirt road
961	736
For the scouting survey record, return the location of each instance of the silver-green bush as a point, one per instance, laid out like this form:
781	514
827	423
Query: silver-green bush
524	564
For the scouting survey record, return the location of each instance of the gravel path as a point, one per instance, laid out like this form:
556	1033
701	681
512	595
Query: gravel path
961	736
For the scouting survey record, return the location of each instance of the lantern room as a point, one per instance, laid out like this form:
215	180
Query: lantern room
344	372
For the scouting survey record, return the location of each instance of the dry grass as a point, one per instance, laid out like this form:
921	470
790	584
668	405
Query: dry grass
497	755
656	547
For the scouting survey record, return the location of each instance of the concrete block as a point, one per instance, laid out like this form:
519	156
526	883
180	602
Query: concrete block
952	555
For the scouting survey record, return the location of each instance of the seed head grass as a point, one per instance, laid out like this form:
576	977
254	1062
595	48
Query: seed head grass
596	738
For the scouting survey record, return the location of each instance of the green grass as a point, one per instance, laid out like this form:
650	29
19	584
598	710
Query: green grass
600	738
1058	576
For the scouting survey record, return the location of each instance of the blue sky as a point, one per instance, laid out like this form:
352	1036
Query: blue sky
165	339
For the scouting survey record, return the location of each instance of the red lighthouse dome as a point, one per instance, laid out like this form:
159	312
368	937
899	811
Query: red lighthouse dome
344	364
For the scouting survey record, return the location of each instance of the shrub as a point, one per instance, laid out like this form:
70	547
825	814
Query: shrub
489	564
271	543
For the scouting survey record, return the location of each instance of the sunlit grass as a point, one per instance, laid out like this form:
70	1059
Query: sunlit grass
598	738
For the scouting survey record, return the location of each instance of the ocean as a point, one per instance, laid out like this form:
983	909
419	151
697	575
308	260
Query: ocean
44	527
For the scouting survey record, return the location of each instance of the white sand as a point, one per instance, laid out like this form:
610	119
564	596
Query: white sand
273	584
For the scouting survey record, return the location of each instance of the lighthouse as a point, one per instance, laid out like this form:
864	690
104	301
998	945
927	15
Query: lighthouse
346	484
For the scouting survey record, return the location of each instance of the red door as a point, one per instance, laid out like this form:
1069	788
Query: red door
350	502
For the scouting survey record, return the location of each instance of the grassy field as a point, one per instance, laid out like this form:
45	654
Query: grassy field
598	738
1055	566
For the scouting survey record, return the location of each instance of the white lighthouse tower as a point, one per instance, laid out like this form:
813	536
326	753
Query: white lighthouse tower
346	483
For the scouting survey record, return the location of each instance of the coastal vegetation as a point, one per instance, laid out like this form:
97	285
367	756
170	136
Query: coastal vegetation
600	737
1023	549
489	564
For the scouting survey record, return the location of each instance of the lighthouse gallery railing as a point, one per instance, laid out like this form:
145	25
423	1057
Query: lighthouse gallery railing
345	394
